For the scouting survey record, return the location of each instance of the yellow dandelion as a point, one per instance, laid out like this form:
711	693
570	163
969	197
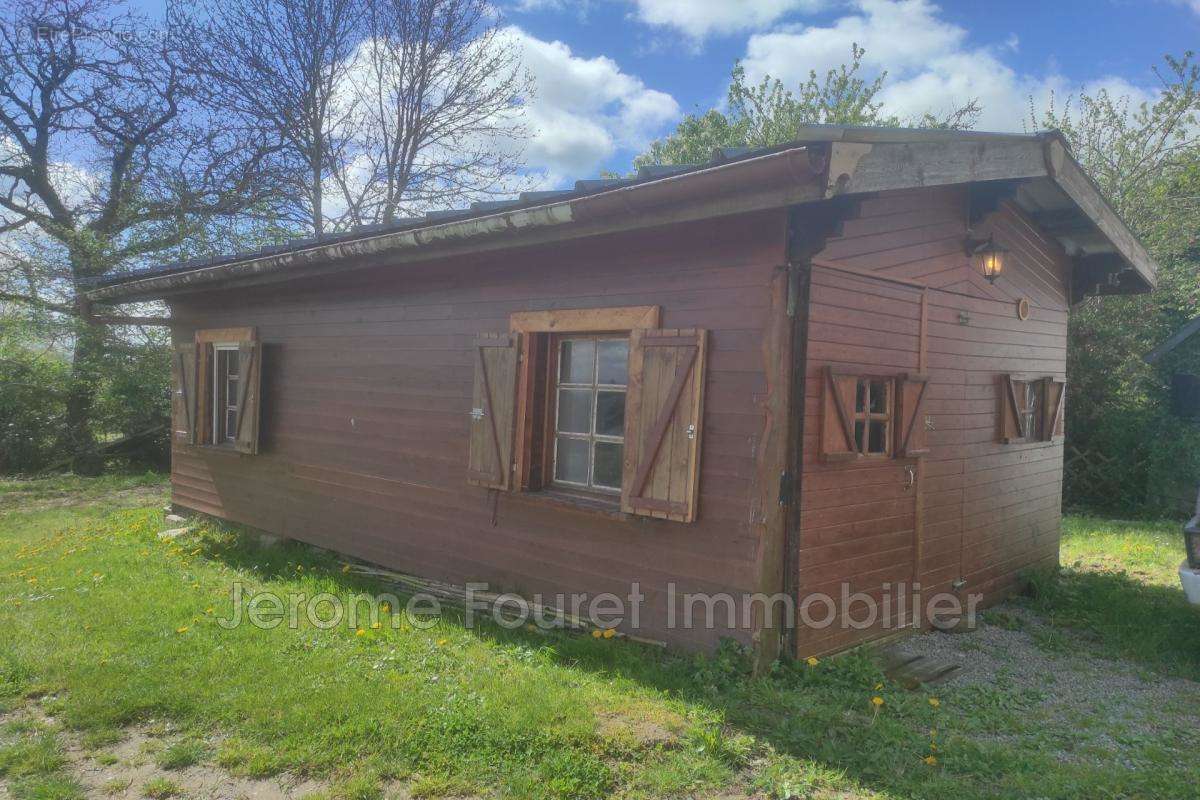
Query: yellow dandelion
385	608
812	661
596	634
931	760
933	701
346	568
878	686
608	634
360	632
443	642
208	610
375	626
184	629
877	701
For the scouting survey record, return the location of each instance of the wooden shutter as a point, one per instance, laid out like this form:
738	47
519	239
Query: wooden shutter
1054	394
493	411
911	437
1010	412
837	416
664	413
183	397
249	396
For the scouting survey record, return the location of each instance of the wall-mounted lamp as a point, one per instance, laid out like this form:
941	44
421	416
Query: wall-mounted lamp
988	254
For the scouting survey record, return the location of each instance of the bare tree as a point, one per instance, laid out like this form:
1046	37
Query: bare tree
281	66
106	160
438	95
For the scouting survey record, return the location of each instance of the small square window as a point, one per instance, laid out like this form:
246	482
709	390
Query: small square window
872	416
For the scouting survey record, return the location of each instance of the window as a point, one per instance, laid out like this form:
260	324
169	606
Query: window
589	426
596	407
1031	409
217	389
858	414
226	365
873	416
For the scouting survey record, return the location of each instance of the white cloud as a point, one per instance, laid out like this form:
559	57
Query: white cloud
930	62
584	109
699	19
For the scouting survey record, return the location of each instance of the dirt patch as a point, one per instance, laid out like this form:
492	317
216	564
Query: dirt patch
124	769
643	733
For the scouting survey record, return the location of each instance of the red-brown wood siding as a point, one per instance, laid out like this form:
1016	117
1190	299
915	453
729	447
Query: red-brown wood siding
987	510
367	384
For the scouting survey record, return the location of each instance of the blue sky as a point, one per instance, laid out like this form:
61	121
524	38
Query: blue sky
613	74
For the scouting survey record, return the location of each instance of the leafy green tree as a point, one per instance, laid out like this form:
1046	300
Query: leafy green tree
1145	158
768	113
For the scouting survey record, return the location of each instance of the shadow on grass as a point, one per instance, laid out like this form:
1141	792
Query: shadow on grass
819	715
1123	617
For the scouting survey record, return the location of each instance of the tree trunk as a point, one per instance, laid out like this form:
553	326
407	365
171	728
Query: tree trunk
81	400
318	200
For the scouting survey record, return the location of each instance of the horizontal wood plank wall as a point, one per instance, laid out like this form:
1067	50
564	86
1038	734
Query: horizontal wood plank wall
367	388
990	510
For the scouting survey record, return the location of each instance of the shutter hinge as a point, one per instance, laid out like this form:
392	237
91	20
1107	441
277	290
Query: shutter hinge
786	491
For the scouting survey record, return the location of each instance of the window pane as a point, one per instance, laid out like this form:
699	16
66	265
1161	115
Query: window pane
230	424
571	460
879	393
576	360
877	441
608	465
575	410
231	391
610	413
235	362
613	365
860	402
858	435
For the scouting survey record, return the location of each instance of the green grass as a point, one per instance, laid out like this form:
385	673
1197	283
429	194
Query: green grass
15	491
1119	584
120	628
32	761
161	789
181	754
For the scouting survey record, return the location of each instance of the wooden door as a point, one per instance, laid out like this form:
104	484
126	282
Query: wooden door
865	433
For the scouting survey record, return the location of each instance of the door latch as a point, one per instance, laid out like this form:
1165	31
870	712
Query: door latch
910	477
477	414
691	431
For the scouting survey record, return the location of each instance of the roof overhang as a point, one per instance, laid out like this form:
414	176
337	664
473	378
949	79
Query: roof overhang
1036	171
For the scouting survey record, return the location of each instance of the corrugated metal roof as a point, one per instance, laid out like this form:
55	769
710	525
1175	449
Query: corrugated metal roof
548	199
581	188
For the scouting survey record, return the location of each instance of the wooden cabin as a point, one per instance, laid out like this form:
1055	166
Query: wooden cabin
781	372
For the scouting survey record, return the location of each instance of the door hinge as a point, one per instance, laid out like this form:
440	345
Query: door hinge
786	488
